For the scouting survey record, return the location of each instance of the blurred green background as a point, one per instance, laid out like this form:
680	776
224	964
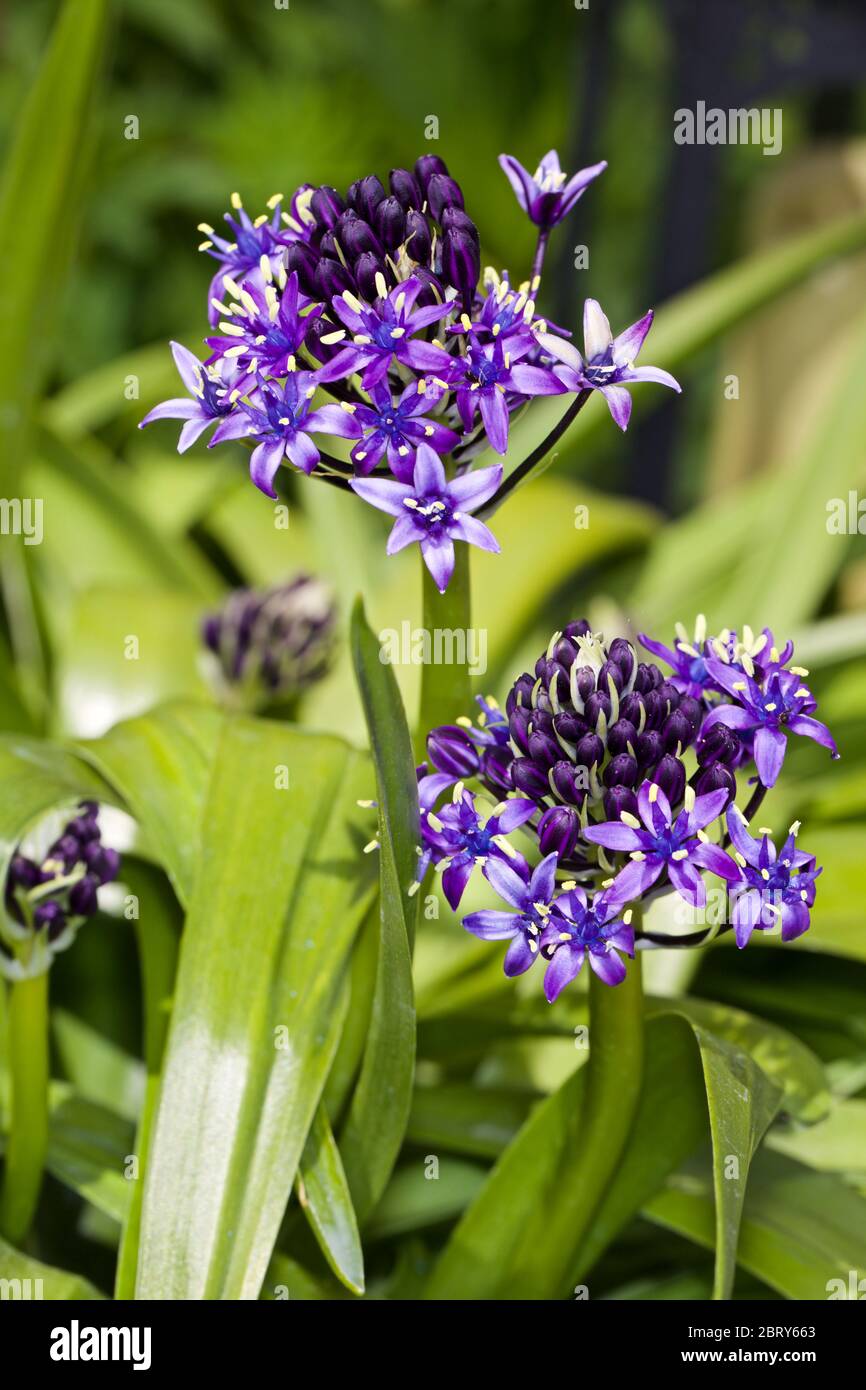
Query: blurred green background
716	500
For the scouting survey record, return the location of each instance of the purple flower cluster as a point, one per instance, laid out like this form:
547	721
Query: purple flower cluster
47	900
364	317
269	645
624	782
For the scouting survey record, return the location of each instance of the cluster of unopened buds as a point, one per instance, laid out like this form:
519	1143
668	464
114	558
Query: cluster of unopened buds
267	646
624	782
366	317
49	898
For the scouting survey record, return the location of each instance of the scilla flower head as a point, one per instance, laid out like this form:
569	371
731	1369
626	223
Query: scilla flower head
617	784
362	315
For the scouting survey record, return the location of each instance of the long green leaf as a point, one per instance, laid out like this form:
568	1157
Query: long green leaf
41	191
258	1007
379	1111
324	1196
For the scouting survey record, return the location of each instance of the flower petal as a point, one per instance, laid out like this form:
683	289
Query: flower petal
770	745
597	337
383	493
264	462
563	968
439	559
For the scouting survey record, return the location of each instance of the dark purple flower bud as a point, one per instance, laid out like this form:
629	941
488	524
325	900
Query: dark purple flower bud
443	192
520	694
451	750
717	778
366	268
496	767
621	771
543	748
590	750
579	628
518	727
356	237
419	241
669	692
718	745
656	707
432	292
390	223
326	206
677	732
331	279
631	708
454	219
597	704
50	917
210	631
528	778
565	779
370	193
461	262
82	898
302	260
622	652
101	862
585	683
617	800
610	671
329	246
649	747
23	873
317	329
405	188
671	778
558	830
647	678
67	848
570	726
428	165
620	735
693	711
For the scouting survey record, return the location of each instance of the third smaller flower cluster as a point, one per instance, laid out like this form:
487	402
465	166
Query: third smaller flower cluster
605	780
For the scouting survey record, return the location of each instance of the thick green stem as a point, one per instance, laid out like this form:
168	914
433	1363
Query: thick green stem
28	1134
445	684
614	1074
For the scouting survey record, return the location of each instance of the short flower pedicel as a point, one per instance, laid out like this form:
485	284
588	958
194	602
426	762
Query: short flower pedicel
361	317
620	784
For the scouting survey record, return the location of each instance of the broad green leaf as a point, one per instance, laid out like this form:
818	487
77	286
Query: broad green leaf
88	1147
800	1229
478	1121
97	1068
416	1198
836	1144
324	1196
38	777
41	189
258	1007
27	1278
379	1112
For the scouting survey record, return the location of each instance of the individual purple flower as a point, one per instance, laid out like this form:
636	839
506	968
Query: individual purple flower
492	371
240	256
781	705
530	896
608	363
463	839
778	887
384	332
210	398
687	659
396	428
577	928
280	418
263	329
504	310
433	511
662	843
547	196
